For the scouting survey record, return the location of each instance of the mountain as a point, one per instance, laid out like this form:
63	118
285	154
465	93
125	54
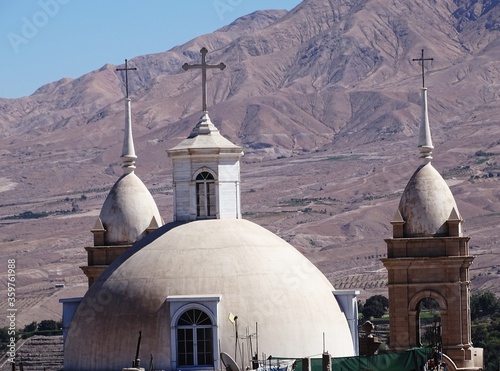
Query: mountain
325	99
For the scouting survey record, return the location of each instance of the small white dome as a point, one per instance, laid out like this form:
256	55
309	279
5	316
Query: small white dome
426	204
259	277
128	211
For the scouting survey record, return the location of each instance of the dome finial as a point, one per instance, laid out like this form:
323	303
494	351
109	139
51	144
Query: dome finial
424	139
128	151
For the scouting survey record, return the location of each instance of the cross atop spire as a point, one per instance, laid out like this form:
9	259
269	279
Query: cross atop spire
424	138
126	69
128	150
203	66
422	60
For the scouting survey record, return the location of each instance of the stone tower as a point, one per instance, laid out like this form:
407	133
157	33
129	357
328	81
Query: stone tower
428	257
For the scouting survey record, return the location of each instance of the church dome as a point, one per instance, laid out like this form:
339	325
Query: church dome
426	204
128	211
255	276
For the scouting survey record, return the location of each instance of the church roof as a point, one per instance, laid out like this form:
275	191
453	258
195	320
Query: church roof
259	277
205	135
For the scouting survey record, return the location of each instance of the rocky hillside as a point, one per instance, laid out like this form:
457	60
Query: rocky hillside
325	100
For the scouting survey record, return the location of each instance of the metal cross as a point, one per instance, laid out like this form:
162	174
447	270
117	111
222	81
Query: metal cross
126	69
422	59
203	66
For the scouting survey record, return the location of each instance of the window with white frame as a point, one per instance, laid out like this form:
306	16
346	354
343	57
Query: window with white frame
205	195
194	331
194	339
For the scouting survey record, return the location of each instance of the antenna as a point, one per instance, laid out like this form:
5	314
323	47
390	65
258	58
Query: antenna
137	362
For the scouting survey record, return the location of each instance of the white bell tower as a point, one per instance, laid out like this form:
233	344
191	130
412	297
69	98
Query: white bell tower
206	167
206	175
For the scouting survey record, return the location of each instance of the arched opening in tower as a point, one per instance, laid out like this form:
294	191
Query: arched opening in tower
429	323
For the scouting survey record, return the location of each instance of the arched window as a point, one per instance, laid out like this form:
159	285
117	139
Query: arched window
428	323
194	339
205	195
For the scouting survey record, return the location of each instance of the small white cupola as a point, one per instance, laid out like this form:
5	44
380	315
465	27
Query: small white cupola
206	168
206	175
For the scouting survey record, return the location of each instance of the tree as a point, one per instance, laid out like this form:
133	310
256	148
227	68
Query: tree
375	306
483	303
4	338
485	312
47	325
31	327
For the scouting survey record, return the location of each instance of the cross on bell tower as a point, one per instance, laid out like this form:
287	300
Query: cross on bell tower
203	66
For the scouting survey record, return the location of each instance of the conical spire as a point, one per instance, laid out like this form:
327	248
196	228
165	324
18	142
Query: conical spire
424	139
128	151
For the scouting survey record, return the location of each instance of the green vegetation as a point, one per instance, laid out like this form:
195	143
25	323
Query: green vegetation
485	314
481	153
5	335
42	214
308	201
29	215
46	327
344	158
375	307
483	156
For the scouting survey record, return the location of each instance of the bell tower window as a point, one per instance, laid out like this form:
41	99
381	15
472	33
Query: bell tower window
205	195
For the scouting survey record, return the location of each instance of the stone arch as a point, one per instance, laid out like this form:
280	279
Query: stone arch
419	296
413	312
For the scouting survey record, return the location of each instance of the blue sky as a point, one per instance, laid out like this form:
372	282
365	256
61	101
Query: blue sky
45	40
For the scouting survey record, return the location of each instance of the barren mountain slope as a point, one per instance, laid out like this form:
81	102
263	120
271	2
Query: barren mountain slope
324	98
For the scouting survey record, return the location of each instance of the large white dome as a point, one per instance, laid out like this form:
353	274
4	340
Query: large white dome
256	275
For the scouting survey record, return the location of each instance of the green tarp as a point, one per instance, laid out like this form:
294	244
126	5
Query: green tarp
412	359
